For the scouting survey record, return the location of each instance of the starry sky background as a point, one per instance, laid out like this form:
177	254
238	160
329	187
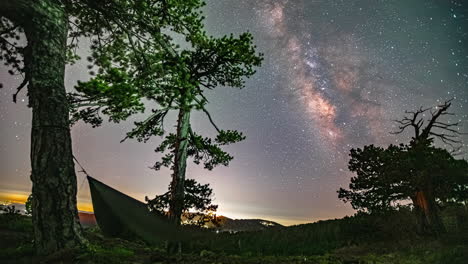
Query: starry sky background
335	75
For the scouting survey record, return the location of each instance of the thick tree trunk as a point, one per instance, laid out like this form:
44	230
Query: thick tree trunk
427	213
176	204
55	215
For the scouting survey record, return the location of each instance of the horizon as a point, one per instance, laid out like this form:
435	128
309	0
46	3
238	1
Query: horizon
19	198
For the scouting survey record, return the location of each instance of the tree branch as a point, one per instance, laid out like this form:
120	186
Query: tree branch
411	120
22	85
208	114
447	132
441	109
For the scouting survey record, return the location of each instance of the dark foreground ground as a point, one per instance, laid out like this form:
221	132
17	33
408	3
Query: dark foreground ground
16	247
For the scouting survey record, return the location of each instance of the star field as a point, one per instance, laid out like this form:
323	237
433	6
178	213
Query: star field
335	75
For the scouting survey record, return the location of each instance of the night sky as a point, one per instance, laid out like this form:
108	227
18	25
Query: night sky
335	75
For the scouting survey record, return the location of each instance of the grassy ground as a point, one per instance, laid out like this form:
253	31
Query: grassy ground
16	247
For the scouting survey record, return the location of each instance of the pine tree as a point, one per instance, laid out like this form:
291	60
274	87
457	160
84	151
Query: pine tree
173	81
52	29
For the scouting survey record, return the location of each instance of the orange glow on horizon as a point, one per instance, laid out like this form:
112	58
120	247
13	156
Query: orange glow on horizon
86	207
13	198
6	197
21	199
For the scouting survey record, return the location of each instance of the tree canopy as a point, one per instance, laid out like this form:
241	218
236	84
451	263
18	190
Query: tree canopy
418	172
175	80
198	208
386	177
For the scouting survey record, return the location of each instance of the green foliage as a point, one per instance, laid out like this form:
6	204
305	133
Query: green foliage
114	91
420	255
198	208
15	222
28	205
457	254
200	149
380	233
22	250
10	48
145	70
127	45
372	188
386	176
134	70
117	30
362	238
100	254
214	62
420	172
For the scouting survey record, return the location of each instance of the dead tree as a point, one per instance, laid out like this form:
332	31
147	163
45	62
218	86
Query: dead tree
447	132
426	129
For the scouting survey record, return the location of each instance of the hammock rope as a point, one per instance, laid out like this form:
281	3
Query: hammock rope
82	171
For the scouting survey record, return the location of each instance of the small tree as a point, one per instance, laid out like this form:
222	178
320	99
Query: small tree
172	81
198	208
418	171
373	188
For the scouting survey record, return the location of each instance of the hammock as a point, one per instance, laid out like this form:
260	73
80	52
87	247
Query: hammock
119	215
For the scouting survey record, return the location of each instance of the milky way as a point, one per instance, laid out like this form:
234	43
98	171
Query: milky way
336	73
326	72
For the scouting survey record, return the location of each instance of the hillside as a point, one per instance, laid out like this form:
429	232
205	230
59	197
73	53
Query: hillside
236	225
324	242
225	224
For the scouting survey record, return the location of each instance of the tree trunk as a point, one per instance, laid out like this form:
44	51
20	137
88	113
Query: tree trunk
427	213
176	204
55	215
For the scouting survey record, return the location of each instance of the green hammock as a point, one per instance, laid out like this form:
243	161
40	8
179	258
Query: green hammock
120	215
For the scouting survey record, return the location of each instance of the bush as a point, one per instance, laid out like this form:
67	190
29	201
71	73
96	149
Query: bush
107	255
16	222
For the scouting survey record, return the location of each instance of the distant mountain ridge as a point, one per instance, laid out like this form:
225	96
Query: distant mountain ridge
227	224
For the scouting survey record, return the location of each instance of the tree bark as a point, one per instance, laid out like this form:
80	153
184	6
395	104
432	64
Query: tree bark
55	215
427	213
176	204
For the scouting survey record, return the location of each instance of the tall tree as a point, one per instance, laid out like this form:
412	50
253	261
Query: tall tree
418	171
173	81
45	24
51	29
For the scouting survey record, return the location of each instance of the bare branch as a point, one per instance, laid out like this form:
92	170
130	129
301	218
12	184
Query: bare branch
457	151
447	132
446	128
442	108
412	119
22	85
447	139
208	114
